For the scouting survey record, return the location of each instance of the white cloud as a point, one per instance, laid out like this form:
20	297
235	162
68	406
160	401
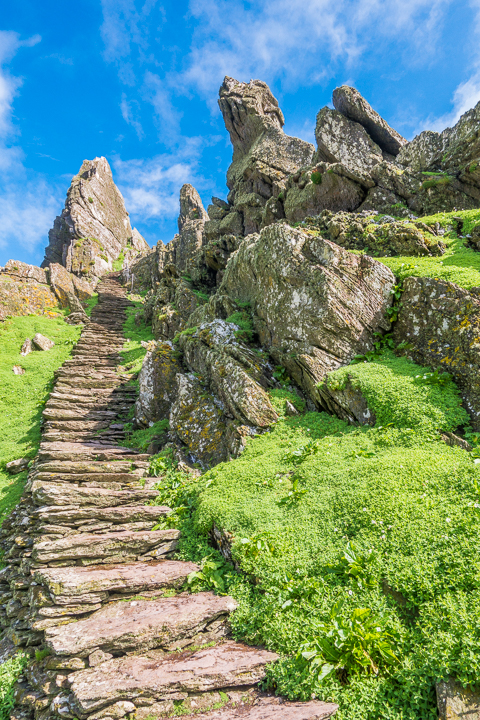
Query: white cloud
151	187
27	214
300	42
129	113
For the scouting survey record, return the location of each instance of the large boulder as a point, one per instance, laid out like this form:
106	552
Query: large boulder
351	104
18	297
94	227
157	384
315	304
441	321
340	140
456	702
24	271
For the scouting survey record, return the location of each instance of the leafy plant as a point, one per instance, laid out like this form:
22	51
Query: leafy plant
212	576
281	376
434	378
352	643
301	453
244	321
295	494
257	544
316	177
356	565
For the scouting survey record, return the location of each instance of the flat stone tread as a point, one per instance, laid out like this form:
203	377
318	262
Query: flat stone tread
70	515
90	545
139	624
158	675
272	708
45	493
135	576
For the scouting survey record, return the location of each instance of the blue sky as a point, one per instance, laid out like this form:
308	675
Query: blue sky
137	81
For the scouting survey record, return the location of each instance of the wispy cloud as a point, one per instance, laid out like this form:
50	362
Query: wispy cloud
151	187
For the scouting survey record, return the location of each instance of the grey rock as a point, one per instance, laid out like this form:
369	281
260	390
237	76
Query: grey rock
18	370
42	343
17	466
456	702
326	301
340	140
157	383
351	104
442	322
273	708
24	271
94	226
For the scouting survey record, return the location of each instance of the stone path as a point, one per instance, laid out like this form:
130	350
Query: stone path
90	583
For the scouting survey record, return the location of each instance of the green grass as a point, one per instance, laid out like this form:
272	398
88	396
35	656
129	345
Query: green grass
300	493
91	303
133	353
459	264
118	263
22	397
9	672
141	439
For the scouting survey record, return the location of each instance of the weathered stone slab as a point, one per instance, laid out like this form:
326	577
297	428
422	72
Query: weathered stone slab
159	676
71	515
42	343
118	545
22	270
140	625
85	467
57	494
272	708
132	578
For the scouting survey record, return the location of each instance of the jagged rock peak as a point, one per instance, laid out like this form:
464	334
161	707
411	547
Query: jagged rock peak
94	226
191	206
354	106
248	109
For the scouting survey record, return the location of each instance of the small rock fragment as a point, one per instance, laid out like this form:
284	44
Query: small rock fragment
97	657
17	466
290	409
26	347
42	342
18	370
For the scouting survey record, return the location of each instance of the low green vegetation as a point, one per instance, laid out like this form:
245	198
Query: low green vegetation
358	545
9	672
22	397
459	264
136	331
90	304
243	319
117	264
141	439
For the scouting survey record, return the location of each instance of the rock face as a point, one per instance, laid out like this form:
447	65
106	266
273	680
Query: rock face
24	291
157	383
442	322
325	300
351	104
456	702
94	227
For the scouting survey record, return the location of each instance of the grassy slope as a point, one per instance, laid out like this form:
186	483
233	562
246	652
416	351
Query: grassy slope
459	264
292	506
22	396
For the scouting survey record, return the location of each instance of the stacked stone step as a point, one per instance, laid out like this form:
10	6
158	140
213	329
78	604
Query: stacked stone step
89	584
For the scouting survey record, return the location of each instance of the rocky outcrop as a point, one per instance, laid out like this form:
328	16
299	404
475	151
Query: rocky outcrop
351	104
19	296
382	235
317	305
157	383
441	321
94	228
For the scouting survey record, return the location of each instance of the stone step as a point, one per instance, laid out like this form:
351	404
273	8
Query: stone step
99	583
97	479
263	707
44	493
140	625
76	452
72	515
156	677
114	547
67	414
80	467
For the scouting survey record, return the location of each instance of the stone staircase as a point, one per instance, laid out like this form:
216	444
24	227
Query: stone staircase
94	590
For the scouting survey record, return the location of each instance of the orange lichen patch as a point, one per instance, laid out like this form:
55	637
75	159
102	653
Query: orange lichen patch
25	298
